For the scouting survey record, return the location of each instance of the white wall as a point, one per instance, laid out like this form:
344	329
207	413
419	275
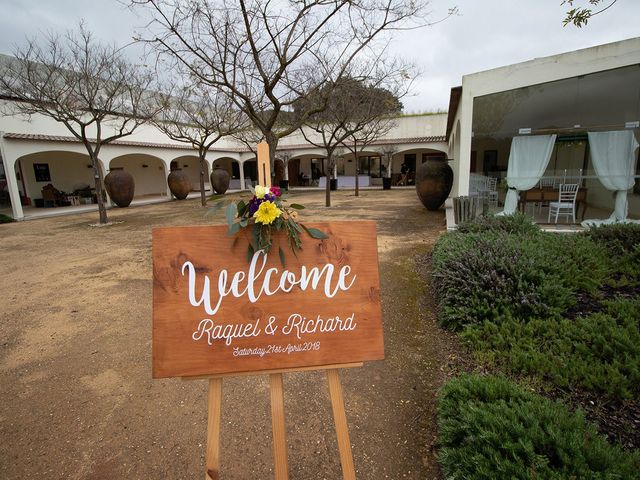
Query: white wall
149	180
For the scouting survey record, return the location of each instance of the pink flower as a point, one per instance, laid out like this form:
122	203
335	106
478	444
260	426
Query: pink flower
275	191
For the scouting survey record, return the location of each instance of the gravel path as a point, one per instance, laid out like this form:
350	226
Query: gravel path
76	396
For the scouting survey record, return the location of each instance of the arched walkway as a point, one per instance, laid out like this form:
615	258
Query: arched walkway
69	173
232	167
413	158
190	164
250	169
148	173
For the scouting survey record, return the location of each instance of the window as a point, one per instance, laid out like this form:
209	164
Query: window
42	172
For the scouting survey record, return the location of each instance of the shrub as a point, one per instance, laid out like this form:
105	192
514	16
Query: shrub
619	238
492	429
622	241
600	352
5	218
489	276
517	224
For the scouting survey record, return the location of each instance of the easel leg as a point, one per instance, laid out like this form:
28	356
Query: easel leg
278	426
213	429
342	429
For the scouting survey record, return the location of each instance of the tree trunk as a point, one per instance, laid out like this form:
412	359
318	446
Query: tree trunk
327	191
357	175
355	154
203	197
98	182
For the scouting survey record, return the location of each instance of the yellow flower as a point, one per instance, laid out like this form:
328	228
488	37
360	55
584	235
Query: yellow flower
261	191
267	212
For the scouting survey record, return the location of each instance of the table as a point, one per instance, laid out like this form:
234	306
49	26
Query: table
549	194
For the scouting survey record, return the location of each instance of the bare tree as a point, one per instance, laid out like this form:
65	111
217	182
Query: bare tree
267	54
89	87
371	120
198	115
356	114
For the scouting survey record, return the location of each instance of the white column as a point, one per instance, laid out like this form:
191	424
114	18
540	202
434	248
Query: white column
167	171
12	181
241	164
463	164
286	169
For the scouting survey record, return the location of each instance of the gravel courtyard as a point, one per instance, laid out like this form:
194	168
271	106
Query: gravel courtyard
76	396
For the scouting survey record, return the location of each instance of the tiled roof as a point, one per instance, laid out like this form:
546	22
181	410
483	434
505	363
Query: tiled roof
62	138
384	141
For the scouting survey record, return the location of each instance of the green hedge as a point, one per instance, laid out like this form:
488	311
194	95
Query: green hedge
600	352
619	239
491	275
492	429
516	224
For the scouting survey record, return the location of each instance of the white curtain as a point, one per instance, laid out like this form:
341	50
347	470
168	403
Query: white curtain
614	160
528	160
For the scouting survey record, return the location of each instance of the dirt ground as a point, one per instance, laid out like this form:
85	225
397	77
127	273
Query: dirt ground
76	396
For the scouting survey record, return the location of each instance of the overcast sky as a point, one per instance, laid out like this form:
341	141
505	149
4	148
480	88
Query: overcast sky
486	34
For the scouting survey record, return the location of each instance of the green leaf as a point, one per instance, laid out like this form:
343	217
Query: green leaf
241	207
244	222
297	206
294	225
231	212
255	236
250	252
315	233
281	253
233	229
215	208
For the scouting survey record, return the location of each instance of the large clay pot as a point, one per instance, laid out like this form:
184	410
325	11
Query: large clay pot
120	186
179	184
434	179
220	179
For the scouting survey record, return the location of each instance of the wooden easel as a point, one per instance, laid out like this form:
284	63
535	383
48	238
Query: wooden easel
281	466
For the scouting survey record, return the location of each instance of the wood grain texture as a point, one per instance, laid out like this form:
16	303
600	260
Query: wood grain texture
210	250
213	429
280	462
342	428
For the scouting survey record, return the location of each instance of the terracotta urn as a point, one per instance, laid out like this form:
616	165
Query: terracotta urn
120	186
434	179
220	179
179	184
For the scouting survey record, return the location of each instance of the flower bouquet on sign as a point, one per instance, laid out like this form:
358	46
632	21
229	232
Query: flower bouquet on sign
264	214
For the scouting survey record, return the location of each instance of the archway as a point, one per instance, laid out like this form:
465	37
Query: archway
70	175
190	165
412	159
232	167
148	173
250	169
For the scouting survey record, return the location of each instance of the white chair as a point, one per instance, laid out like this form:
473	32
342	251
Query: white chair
544	183
566	204
492	191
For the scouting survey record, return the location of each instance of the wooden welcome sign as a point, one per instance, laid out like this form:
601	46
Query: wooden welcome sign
217	312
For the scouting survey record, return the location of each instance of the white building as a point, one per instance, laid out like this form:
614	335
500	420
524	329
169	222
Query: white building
568	95
38	151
